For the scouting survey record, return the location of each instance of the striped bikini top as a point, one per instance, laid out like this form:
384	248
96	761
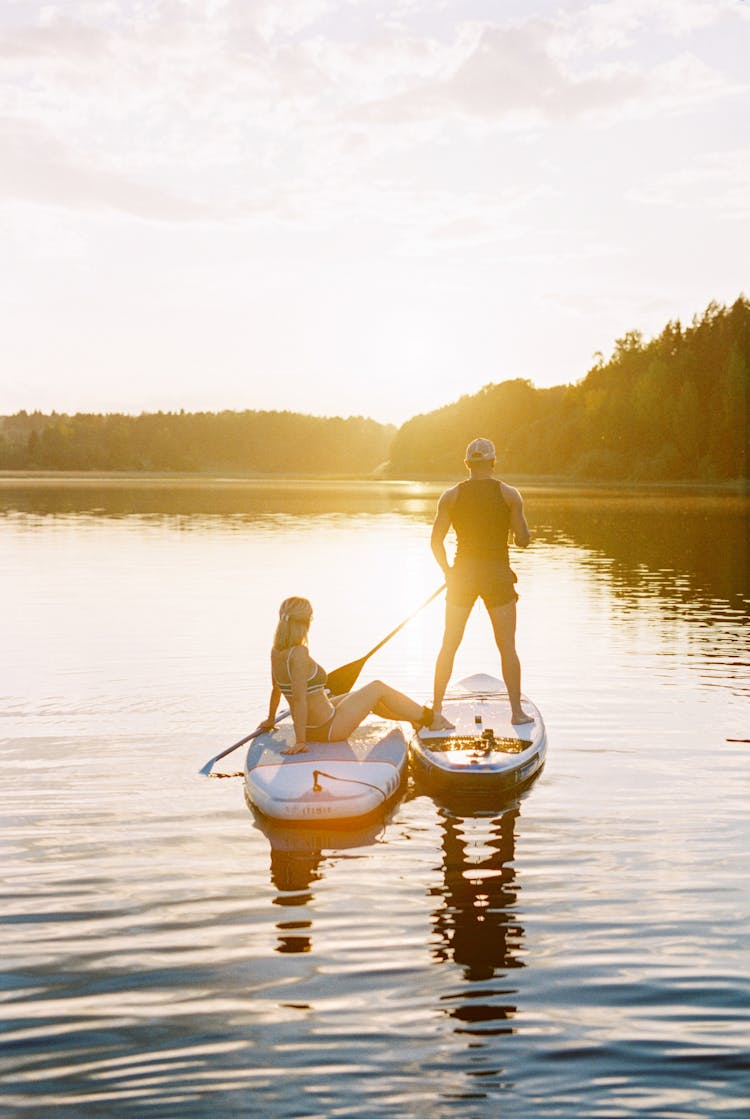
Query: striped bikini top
315	683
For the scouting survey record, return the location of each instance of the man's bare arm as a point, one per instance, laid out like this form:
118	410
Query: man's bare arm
440	528
518	526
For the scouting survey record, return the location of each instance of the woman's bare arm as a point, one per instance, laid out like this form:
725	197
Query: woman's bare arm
298	671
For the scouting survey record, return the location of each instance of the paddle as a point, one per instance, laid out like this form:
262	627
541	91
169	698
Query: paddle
340	681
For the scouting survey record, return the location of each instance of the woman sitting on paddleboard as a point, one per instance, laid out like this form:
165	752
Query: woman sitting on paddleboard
318	717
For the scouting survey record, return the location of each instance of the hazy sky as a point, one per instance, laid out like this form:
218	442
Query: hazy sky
354	207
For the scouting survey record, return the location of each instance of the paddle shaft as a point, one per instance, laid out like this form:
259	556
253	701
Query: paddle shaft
401	625
341	680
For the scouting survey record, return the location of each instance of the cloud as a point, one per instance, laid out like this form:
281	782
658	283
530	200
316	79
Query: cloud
38	168
518	76
62	40
512	71
617	25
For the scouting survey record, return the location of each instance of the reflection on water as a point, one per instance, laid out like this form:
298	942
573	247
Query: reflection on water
662	542
672	544
474	922
166	953
297	856
188	497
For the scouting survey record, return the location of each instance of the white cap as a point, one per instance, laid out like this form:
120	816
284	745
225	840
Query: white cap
480	450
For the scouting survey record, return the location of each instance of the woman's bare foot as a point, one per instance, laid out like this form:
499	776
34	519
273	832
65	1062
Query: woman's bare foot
300	748
520	717
440	722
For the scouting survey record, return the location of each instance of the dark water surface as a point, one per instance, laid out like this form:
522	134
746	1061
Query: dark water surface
581	952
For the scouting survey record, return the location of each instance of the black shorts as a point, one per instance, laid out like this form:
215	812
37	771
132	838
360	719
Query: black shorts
490	580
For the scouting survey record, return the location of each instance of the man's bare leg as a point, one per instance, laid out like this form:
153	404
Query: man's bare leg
456	618
503	620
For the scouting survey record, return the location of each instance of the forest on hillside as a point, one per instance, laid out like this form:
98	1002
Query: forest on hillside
673	408
245	442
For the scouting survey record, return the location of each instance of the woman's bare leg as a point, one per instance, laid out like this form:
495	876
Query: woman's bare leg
377	697
384	712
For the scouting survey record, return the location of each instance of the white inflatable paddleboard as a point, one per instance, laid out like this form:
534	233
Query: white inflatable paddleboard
333	781
485	751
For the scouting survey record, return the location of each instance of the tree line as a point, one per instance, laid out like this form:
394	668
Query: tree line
672	408
246	442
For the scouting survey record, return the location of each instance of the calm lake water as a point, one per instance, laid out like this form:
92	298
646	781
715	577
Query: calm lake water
581	952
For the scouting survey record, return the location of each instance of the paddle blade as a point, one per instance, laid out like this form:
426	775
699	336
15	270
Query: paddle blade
205	770
343	679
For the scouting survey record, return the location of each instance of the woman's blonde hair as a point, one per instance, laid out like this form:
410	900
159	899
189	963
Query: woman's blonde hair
295	615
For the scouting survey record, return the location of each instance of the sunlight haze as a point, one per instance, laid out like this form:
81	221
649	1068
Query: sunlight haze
358	208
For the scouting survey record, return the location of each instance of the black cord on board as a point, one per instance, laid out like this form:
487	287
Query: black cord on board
318	788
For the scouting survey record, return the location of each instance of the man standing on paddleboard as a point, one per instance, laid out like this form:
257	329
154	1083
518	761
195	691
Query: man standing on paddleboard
483	512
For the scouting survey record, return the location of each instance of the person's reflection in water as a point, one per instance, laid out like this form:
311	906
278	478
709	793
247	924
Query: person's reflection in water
476	922
298	859
292	873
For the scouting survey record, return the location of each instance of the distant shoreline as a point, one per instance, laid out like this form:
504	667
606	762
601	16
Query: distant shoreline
221	480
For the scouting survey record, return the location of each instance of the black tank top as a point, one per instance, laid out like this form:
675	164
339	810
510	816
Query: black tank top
481	519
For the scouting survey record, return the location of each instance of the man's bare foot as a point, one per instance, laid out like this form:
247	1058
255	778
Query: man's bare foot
521	717
439	722
299	749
